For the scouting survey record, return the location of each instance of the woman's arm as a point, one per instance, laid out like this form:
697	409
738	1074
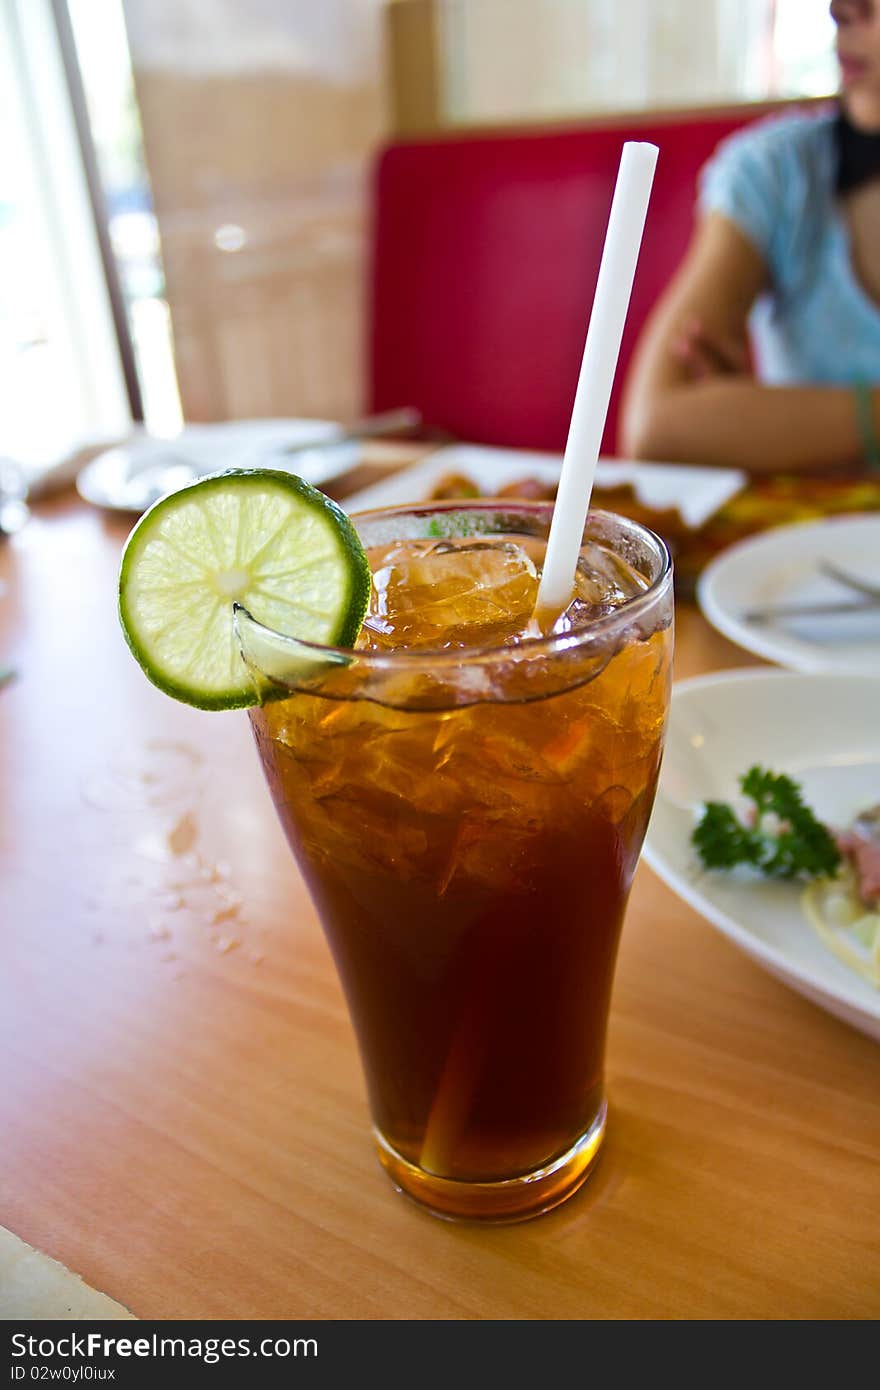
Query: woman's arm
689	397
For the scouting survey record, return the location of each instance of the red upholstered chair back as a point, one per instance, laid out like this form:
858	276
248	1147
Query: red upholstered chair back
485	256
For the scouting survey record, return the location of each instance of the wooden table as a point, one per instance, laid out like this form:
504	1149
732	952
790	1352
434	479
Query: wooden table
182	1115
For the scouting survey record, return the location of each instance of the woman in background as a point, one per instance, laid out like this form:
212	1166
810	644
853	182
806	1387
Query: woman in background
784	265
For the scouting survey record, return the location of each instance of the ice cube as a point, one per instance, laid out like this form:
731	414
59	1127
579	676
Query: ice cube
443	594
603	581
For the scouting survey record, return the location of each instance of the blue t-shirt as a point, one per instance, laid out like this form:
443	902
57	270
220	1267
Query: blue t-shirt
776	181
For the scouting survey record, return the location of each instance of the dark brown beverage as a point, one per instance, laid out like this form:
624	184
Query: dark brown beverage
469	833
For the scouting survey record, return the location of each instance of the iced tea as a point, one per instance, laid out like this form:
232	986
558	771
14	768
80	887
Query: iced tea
467	800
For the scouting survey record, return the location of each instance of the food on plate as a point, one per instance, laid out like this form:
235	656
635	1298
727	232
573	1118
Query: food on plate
861	846
779	836
776	500
845	911
452	487
622	499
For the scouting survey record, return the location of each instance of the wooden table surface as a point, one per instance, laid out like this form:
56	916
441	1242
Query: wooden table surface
182	1115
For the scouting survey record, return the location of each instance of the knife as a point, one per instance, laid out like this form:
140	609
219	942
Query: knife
371	427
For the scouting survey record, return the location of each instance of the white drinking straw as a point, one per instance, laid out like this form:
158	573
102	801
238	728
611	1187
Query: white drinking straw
626	222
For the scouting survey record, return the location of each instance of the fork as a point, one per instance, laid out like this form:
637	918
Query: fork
868	601
848	580
810	610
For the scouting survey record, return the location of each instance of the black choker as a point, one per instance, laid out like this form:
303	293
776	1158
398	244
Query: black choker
858	155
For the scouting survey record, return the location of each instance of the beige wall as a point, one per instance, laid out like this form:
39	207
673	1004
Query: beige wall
501	61
594	56
260	118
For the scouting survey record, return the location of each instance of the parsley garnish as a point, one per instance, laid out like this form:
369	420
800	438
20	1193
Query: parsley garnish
785	839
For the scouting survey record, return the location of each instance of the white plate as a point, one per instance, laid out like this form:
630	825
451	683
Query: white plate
132	476
822	730
779	567
696	492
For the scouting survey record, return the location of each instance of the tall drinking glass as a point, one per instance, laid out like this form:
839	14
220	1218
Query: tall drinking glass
467	801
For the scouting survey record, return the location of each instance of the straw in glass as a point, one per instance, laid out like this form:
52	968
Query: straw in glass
623	239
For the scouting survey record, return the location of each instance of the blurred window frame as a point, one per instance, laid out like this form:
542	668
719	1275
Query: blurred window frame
61	202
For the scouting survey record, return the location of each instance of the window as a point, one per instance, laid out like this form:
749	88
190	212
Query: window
61	383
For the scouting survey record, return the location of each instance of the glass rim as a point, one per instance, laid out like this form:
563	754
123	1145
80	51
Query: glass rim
549	644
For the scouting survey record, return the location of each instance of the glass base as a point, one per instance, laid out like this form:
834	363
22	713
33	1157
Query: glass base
515	1199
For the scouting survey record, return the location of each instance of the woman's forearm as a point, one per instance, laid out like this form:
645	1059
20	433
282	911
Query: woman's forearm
738	422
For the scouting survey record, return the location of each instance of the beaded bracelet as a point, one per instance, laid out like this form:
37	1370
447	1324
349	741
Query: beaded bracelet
867	428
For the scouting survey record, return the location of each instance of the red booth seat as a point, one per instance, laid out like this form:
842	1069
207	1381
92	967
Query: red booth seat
486	250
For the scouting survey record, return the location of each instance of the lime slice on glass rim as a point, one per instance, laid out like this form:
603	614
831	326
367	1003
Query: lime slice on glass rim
257	537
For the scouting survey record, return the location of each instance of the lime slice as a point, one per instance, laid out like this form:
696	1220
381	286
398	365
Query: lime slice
257	537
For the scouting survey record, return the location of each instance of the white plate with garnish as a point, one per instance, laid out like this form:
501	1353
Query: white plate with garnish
824	732
806	596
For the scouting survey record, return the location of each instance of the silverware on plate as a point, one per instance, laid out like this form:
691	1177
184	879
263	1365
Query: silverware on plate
370	427
126	481
848	579
868	602
809	610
